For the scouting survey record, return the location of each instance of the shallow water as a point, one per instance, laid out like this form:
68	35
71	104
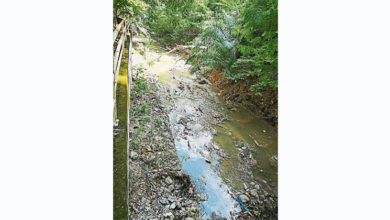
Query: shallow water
245	126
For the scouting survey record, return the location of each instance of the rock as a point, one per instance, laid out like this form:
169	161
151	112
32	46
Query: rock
254	193
262	197
257	187
203	197
164	201
168	180
170	188
194	207
202	81
189	218
173	206
168	214
171	199
179	173
244	198
183	121
133	155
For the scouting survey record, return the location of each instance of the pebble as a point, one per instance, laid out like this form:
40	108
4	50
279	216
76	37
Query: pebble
163	201
133	155
168	180
168	214
171	199
173	206
244	198
254	193
203	197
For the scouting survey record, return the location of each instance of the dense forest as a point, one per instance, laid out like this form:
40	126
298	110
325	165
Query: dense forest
234	42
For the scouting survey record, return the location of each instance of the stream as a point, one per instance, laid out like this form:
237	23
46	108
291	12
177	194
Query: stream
223	147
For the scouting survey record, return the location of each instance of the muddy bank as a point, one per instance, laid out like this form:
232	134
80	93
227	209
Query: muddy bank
265	106
158	187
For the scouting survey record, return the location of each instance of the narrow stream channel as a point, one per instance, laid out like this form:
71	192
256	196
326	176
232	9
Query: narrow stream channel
120	144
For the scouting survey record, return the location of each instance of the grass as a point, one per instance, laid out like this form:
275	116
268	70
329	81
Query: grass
141	85
146	119
158	122
143	108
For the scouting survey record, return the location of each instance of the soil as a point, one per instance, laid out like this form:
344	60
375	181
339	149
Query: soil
265	106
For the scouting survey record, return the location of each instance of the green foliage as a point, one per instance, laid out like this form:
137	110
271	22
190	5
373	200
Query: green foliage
238	37
243	43
259	43
215	47
176	20
146	119
139	131
135	143
143	108
127	8
141	85
158	122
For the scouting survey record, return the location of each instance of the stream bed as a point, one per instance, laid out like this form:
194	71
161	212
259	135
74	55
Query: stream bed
225	149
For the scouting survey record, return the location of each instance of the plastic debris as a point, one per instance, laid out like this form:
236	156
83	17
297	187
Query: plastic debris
147	172
242	204
191	190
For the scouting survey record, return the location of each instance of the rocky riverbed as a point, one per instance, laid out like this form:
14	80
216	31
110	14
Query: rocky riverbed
158	187
189	156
